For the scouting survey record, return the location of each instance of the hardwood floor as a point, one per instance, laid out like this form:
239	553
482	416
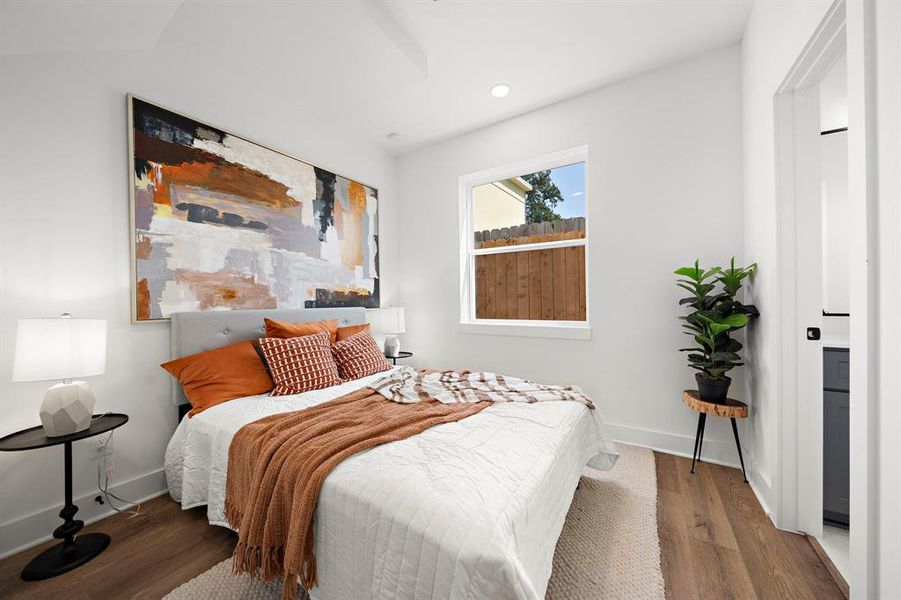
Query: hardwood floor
149	556
715	542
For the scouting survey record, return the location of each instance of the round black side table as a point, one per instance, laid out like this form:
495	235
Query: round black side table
399	355
73	551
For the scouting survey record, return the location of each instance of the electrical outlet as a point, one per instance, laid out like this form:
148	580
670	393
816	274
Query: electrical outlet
103	448
110	467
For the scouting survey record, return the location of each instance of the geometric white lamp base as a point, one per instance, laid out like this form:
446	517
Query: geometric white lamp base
392	345
67	408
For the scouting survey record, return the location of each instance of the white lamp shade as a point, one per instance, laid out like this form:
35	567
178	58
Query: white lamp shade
392	320
374	318
64	348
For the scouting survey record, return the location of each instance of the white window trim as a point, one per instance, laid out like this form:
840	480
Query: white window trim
580	330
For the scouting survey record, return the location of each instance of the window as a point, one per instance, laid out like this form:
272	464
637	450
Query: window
524	244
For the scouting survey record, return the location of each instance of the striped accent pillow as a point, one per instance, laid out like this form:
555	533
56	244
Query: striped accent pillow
300	364
359	356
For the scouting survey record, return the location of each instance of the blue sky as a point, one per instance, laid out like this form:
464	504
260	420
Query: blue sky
571	181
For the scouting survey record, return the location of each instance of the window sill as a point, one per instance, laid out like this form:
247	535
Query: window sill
567	330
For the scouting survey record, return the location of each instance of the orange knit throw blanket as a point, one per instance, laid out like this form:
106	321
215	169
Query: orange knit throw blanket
276	467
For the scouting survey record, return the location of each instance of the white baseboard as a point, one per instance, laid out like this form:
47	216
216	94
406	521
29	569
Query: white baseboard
761	491
718	452
30	530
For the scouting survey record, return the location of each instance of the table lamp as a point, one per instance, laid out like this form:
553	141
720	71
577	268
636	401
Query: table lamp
391	322
61	349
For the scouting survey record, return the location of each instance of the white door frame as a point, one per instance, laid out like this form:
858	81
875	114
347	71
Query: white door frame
874	39
852	26
798	176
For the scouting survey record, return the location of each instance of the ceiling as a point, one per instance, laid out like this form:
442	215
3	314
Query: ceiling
53	26
421	68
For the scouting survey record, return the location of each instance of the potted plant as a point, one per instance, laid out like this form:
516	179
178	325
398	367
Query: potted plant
715	315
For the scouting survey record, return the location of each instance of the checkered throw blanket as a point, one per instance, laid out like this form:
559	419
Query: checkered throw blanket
408	385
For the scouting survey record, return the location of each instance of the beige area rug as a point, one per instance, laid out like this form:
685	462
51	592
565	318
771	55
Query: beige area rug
609	547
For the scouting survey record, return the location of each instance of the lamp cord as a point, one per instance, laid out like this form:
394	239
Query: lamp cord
135	507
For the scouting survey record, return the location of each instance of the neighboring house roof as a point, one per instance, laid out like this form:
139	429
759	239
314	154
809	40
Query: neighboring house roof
515	186
520	183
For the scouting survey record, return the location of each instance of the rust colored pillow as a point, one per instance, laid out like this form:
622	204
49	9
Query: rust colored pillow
219	375
300	364
346	332
359	356
286	329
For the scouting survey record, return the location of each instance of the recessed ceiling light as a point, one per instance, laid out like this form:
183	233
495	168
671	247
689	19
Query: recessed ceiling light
394	137
499	90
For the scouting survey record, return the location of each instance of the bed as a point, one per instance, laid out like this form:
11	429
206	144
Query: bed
471	509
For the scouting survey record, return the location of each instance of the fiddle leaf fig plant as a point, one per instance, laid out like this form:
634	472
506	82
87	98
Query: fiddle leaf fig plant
715	315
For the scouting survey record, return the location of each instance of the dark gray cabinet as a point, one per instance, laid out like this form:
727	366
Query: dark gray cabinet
836	369
836	443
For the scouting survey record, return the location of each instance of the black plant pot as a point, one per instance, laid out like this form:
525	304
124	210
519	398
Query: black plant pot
713	390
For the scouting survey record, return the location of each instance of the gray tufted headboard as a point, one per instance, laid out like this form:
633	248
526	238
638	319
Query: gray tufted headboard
194	332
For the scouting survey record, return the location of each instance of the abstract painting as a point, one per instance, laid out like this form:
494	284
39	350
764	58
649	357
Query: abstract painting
222	223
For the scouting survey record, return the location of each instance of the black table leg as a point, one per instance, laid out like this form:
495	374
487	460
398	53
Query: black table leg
738	446
699	437
703	429
72	552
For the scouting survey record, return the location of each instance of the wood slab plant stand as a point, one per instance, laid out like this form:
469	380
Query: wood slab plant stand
730	409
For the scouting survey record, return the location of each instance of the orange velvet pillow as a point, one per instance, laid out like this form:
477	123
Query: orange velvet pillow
346	332
285	329
216	376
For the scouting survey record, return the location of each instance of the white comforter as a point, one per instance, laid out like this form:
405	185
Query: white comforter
471	509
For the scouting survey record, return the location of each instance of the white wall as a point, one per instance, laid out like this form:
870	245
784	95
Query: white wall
834	97
774	37
836	205
664	179
836	225
64	242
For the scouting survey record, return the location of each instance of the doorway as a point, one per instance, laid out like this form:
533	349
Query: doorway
814	236
836	302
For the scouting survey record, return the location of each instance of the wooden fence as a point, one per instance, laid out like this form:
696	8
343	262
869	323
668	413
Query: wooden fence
531	233
532	284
